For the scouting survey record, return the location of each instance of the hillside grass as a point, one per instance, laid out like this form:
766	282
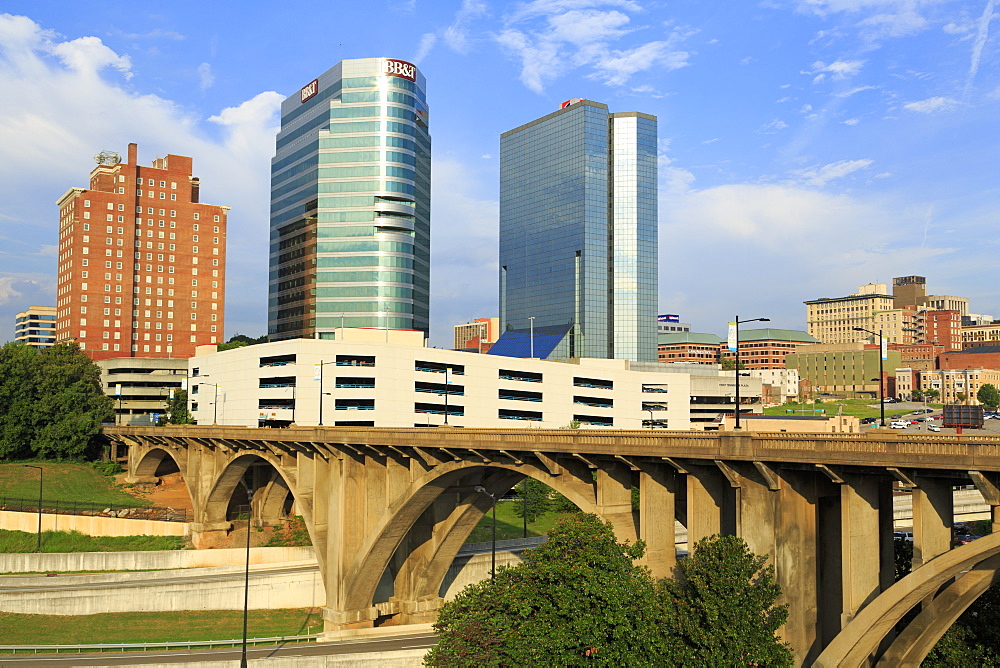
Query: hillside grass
74	541
510	526
177	626
860	408
64	482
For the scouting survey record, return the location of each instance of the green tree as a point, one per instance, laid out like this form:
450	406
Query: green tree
177	408
917	395
988	396
961	396
576	598
239	341
52	403
729	364
725	608
534	499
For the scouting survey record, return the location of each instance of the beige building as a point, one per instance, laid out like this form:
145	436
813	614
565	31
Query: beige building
36	327
981	335
388	378
783	384
834	424
478	335
832	320
141	386
947	303
952	382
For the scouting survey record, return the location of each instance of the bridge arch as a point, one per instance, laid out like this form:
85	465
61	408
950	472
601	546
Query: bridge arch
426	563
149	464
269	499
964	573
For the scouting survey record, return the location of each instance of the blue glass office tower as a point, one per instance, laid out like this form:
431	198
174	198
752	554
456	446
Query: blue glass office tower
578	253
350	203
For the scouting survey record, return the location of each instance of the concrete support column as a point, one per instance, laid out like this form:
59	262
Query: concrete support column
933	513
205	535
614	499
861	515
711	501
656	518
796	565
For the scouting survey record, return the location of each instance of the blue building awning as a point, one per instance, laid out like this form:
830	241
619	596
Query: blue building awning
520	342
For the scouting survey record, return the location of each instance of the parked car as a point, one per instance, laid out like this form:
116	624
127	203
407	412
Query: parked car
921	420
936	417
902	535
869	420
899	424
896	416
933	427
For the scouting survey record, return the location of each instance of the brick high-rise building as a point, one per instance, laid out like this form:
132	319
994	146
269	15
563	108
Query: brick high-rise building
142	263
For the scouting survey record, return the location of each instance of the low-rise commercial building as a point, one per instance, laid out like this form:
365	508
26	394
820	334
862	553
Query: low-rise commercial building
767	348
361	381
142	386
779	385
477	336
36	327
688	348
976	357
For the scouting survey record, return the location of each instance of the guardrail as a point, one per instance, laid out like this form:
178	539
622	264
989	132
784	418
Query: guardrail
149	646
161	513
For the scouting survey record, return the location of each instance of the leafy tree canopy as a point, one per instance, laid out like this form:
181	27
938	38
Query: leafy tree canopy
51	401
241	340
988	396
177	410
579	598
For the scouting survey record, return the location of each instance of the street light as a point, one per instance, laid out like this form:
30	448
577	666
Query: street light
650	419
737	324
319	373
446	369
881	388
246	573
493	551
40	474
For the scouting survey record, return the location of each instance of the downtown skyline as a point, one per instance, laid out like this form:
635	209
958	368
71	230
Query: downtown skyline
805	147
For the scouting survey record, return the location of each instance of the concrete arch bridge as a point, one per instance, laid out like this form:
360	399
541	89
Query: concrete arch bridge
395	505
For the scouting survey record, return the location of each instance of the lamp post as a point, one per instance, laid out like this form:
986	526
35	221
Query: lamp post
881	388
493	551
319	374
246	572
40	475
650	419
531	336
737	323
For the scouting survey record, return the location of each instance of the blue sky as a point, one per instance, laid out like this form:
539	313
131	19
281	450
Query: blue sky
806	146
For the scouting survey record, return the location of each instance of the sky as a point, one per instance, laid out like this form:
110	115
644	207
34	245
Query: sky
806	147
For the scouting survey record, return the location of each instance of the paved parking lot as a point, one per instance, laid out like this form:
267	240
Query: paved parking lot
905	409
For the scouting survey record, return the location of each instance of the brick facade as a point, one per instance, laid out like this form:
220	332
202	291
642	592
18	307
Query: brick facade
142	262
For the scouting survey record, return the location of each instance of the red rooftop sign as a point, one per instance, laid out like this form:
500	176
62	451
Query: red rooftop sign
309	90
401	68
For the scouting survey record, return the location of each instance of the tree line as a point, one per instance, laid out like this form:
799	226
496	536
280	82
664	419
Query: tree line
51	402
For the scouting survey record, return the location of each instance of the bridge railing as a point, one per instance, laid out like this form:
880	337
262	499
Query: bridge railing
163	514
151	646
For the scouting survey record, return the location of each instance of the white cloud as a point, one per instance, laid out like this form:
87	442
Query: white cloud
933	105
855	91
456	36
851	121
551	37
820	176
838	69
427	42
773	126
205	76
982	34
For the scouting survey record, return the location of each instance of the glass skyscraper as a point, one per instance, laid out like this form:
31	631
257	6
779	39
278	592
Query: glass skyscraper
350	203
578	250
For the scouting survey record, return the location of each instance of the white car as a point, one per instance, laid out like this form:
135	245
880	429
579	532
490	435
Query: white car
933	427
899	425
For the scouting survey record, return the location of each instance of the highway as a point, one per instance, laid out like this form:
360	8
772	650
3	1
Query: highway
360	646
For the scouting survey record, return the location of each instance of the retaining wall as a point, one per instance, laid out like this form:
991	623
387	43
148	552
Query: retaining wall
92	525
62	562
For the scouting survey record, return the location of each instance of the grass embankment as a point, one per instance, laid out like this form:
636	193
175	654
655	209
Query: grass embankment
860	408
510	526
64	482
130	627
74	541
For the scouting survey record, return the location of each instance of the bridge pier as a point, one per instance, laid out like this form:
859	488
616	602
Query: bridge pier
205	535
933	515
